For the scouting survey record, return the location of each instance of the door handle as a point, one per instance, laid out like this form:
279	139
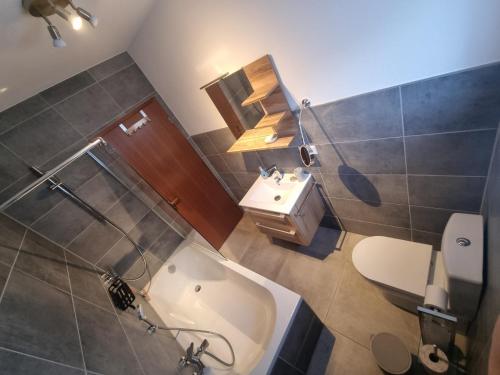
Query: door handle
174	202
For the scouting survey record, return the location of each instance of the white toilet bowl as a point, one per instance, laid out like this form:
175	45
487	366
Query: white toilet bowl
399	268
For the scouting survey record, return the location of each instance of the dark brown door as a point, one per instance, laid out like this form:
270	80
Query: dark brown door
161	154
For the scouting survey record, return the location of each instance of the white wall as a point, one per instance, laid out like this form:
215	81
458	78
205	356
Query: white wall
29	63
324	49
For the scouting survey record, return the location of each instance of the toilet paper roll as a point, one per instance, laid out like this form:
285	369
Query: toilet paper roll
434	360
436	298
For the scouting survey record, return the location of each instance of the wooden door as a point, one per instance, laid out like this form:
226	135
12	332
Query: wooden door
164	158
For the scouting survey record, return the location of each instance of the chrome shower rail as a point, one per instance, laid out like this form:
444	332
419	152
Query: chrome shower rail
50	173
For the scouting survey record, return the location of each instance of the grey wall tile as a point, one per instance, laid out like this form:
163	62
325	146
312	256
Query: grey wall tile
68	87
380	188
387	213
89	110
457	193
105	346
79	172
147	231
379	156
368	116
137	269
242	162
40	138
246	180
127	212
10	240
12	168
4	274
33	205
20	112
459	101
63	222
111	66
120	257
43	260
146	194
14	363
433	239
205	144
429	219
52	335
128	87
166	244
85	282
315	130
284	158
230	180
94	241
102	191
450	154
218	163
372	229
222	139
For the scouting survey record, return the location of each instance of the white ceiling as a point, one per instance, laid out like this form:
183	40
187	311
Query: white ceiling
29	63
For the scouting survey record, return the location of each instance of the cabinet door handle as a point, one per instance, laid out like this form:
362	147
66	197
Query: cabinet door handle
288	232
174	202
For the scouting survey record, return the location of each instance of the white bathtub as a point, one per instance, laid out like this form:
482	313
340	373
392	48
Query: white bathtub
251	311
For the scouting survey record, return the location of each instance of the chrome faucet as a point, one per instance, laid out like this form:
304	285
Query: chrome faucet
193	360
271	171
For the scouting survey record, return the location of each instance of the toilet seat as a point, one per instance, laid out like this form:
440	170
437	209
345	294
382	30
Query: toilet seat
398	264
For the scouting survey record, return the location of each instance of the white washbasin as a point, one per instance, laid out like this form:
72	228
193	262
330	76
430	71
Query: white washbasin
267	194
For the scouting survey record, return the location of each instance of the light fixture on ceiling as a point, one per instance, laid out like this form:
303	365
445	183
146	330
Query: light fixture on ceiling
46	8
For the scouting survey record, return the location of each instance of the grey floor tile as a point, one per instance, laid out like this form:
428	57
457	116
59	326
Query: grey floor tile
52	334
359	310
430	219
10	241
242	161
385	213
237	243
38	139
128	86
105	346
102	191
156	358
43	260
433	239
456	193
94	241
89	110
63	223
458	101
204	143
111	66
379	156
377	189
466	154
20	112
373	229
86	283
166	244
222	139
35	204
68	87
127	212
14	363
12	168
368	116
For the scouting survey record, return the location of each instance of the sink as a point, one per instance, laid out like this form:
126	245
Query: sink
267	194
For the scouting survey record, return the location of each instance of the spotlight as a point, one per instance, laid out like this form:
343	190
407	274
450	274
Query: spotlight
57	41
76	22
87	16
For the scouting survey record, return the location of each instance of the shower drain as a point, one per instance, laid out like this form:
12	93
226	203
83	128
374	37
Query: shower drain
197	288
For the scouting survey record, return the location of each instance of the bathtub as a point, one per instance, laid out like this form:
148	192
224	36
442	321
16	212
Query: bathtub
197	288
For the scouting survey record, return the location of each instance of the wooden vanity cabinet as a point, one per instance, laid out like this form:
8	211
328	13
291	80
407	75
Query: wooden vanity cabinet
300	225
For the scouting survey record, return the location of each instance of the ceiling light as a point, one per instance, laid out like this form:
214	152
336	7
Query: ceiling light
46	8
3	89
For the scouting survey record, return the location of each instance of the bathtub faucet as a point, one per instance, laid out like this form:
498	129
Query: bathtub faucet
192	359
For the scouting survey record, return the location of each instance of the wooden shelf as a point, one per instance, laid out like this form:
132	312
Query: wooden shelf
255	142
283	123
260	93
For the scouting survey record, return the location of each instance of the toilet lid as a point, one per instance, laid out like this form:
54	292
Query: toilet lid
400	264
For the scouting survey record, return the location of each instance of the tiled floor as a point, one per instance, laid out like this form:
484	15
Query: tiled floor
351	307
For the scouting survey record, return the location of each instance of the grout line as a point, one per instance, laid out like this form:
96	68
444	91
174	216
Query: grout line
406	160
490	169
451	132
74	313
12	266
111	74
39	358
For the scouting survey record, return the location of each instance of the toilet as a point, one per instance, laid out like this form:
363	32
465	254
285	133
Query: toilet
402	269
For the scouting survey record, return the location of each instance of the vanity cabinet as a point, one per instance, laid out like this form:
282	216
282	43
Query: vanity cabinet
300	224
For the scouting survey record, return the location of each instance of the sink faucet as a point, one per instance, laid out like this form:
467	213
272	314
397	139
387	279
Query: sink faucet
193	360
271	171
